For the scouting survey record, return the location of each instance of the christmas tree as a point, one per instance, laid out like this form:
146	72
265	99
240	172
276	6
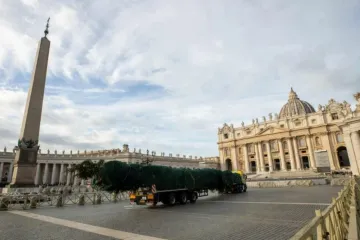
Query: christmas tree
116	176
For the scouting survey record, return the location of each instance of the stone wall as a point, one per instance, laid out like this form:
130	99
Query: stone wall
287	183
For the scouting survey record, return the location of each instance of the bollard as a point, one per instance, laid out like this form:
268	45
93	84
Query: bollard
26	202
98	198
33	202
59	201
114	197
81	200
94	199
4	203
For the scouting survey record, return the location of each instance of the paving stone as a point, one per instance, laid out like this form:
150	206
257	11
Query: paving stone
215	217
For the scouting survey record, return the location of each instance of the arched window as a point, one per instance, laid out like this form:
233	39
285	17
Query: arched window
339	138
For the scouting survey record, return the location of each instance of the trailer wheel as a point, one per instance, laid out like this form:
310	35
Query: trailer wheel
183	198
172	199
193	197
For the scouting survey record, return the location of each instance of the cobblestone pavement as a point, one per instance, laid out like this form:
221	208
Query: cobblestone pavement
276	213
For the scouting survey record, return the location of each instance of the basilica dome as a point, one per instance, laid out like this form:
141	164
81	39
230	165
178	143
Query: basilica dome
295	106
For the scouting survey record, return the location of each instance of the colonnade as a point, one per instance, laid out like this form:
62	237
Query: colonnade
56	173
10	170
264	157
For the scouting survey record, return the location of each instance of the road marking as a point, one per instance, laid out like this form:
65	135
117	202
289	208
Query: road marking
274	203
86	227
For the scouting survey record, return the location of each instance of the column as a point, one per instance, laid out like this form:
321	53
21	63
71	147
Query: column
355	168
356	145
61	177
270	160
1	170
10	173
38	175
234	159
296	153
46	174
222	160
291	152
53	174
76	178
282	156
311	152
261	153
246	157
258	167
68	176
329	150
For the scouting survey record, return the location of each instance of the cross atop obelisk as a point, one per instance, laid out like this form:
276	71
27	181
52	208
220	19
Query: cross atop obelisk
26	156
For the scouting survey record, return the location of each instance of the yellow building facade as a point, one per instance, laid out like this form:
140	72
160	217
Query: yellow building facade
299	138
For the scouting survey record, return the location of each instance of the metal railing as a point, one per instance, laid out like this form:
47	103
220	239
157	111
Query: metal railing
338	221
30	201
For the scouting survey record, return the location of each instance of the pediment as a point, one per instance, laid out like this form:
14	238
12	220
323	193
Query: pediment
226	129
271	130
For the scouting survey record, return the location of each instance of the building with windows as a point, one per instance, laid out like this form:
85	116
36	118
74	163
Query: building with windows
298	138
51	168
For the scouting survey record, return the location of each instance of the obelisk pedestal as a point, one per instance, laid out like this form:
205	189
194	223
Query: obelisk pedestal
26	154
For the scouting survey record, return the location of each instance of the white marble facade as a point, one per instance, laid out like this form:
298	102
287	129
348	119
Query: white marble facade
288	141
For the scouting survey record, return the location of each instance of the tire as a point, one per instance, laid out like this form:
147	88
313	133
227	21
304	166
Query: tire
244	188
164	199
172	199
183	198
193	197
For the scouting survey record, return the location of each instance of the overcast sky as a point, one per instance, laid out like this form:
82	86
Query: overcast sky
164	75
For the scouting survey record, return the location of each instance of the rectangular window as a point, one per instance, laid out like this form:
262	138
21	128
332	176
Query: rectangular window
226	136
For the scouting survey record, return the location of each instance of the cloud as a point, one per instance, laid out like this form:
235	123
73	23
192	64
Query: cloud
164	75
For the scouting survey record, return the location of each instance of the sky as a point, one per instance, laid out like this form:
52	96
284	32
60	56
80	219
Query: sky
163	75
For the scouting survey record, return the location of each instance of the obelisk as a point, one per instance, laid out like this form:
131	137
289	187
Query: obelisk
26	155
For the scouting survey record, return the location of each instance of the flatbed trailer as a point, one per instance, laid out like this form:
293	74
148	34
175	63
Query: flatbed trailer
145	196
151	197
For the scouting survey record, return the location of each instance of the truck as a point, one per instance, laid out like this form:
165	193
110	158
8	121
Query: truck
151	197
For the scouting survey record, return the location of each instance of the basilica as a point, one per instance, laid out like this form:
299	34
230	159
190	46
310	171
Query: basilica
298	138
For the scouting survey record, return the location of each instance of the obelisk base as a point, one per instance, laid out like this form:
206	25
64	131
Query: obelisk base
24	168
23	176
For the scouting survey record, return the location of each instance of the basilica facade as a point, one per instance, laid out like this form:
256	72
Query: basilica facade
300	137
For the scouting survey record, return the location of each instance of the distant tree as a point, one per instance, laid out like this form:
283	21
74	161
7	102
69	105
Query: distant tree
87	169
